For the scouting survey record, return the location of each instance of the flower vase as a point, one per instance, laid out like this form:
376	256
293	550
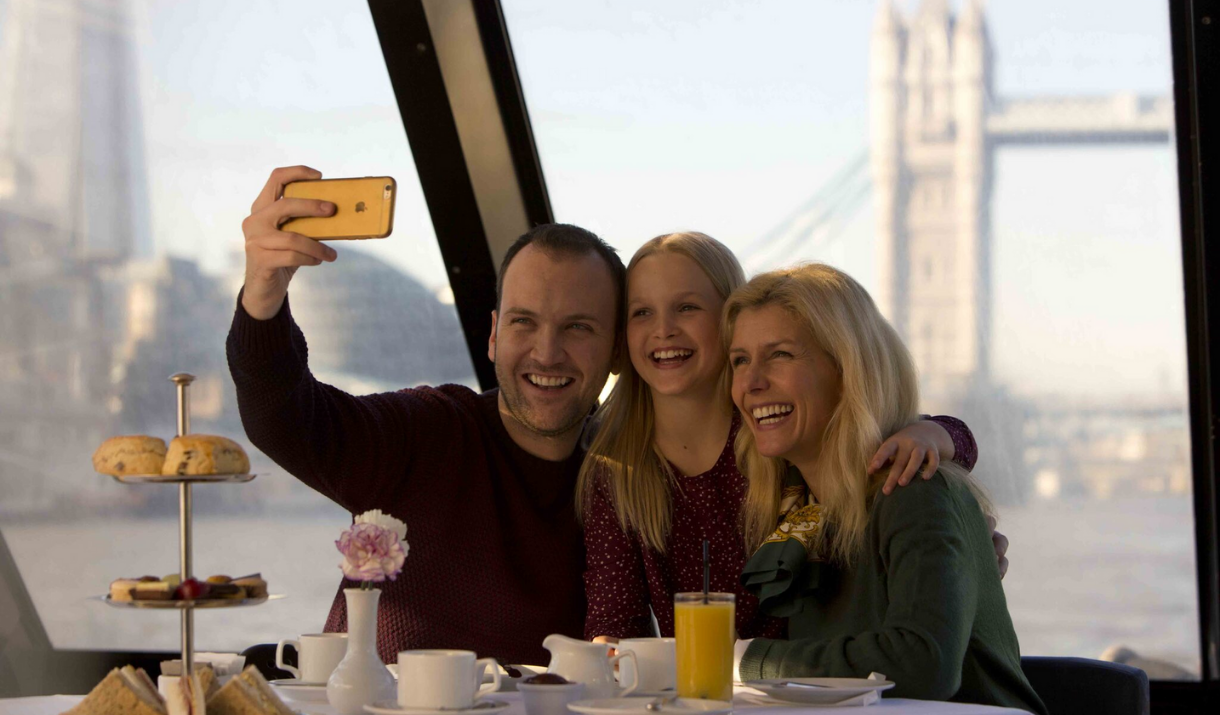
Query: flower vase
360	678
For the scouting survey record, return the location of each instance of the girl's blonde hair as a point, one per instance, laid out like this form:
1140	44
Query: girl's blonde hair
623	452
879	396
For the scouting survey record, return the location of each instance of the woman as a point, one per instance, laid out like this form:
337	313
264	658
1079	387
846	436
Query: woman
660	475
905	583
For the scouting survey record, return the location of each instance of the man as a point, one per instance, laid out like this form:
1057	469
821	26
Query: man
484	481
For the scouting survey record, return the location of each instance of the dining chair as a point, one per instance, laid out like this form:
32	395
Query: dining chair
1069	686
262	656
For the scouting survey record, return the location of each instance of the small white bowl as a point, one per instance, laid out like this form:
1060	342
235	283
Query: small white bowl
550	699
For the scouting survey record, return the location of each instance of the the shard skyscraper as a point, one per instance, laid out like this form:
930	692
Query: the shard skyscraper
73	193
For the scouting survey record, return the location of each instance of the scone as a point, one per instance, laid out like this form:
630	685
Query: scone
205	454
132	454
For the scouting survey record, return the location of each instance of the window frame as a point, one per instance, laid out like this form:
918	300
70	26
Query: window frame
1196	71
471	234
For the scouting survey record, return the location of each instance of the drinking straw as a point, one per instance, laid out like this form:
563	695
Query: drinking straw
707	571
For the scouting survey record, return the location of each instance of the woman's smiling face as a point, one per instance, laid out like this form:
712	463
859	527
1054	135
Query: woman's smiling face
673	324
784	384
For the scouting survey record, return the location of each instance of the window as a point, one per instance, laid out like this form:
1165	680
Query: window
1057	328
133	138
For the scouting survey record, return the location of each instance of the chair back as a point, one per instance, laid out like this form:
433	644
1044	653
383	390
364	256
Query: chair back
1079	685
262	656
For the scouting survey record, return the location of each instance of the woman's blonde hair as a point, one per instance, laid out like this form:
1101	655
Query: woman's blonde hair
624	452
879	396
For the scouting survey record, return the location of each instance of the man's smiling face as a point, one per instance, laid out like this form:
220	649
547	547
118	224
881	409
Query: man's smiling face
553	338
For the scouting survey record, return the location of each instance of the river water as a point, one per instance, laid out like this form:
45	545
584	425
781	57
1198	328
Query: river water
1084	575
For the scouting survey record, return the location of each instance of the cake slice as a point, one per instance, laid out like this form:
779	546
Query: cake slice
247	694
124	691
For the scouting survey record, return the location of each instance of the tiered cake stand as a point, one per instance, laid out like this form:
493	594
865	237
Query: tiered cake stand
186	566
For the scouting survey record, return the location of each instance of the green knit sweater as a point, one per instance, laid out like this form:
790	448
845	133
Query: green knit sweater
922	604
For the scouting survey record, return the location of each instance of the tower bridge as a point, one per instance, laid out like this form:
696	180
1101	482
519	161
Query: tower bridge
935	126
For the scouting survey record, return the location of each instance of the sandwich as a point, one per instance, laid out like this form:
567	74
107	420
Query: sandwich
247	694
124	691
185	696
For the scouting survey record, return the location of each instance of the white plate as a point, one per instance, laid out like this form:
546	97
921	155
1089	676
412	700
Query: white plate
391	707
294	689
635	706
833	690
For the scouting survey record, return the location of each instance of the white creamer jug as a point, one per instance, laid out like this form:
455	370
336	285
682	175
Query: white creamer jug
584	662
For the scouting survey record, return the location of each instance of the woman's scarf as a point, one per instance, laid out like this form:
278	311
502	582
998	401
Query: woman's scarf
785	568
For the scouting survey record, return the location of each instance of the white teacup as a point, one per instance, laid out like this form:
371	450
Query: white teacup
657	661
317	656
443	679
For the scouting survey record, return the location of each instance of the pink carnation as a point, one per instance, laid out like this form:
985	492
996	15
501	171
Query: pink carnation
371	553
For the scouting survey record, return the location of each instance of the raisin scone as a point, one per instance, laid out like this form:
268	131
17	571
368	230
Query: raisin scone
131	454
205	454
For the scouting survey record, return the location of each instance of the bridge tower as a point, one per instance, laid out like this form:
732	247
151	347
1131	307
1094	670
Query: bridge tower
932	168
935	127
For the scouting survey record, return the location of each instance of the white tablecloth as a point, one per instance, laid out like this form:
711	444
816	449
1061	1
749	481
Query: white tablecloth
56	704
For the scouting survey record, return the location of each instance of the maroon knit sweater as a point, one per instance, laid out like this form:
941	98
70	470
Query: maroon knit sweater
625	576
496	554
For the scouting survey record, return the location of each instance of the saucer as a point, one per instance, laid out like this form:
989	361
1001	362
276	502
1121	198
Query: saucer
633	705
818	691
294	689
391	707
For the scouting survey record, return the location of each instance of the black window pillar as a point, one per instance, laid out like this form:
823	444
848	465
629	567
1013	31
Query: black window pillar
452	69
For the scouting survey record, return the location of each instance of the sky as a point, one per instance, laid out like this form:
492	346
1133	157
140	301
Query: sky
713	115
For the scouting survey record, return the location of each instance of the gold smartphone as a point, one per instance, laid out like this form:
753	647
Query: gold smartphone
364	208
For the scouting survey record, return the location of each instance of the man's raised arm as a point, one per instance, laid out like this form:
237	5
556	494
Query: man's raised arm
319	433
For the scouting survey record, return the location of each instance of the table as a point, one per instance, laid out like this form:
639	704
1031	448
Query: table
56	704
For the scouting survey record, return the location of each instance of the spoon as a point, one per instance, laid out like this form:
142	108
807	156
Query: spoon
658	703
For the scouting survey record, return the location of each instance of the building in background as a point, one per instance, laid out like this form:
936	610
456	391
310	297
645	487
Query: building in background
95	319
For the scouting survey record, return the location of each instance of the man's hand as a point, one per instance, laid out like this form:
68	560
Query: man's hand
921	443
1000	542
272	255
610	640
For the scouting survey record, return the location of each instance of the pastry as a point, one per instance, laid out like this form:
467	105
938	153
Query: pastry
247	694
227	590
254	585
205	454
152	591
124	691
120	589
133	454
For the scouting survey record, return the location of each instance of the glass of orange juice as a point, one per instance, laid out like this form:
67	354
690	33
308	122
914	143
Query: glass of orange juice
705	629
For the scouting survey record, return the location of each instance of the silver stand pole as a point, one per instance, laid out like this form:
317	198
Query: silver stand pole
183	381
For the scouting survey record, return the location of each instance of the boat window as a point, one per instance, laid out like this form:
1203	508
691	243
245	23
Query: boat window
1021	155
133	138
